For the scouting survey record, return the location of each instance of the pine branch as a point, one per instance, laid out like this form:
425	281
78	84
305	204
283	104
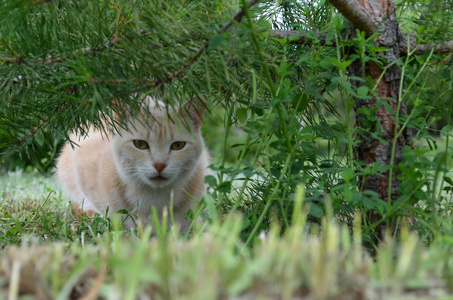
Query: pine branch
12	60
418	49
16	59
155	83
236	18
306	38
151	82
301	38
40	125
83	51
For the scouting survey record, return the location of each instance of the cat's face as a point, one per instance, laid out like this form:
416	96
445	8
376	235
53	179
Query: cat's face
157	152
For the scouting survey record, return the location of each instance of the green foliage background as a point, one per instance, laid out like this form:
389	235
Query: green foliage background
281	114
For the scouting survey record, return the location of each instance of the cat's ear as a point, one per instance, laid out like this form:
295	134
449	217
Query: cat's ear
194	109
121	111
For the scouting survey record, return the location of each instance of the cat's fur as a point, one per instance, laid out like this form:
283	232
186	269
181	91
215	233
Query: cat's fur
110	171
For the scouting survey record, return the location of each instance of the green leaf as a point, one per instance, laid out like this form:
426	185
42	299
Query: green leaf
446	130
280	41
346	64
316	211
315	94
210	206
224	187
348	174
362	91
275	101
367	202
215	41
294	37
241	115
257	108
211	180
448	180
300	102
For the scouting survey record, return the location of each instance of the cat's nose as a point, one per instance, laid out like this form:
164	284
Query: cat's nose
159	166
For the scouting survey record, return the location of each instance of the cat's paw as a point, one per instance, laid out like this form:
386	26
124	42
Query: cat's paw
82	211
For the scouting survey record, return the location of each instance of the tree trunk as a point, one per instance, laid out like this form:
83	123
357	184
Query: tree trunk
369	149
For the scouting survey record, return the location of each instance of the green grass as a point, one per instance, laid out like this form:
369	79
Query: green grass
47	253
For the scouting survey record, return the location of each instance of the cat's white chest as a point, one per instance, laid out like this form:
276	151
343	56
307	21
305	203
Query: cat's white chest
144	199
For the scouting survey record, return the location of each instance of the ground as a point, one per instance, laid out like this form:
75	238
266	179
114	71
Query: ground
49	253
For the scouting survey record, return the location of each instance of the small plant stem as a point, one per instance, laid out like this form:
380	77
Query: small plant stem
229	122
269	80
345	99
255	160
284	212
269	201
397	133
389	214
382	75
246	146
447	140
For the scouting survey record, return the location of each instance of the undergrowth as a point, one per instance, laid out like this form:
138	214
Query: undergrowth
48	253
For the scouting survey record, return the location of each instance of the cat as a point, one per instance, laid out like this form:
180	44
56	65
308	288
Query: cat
158	154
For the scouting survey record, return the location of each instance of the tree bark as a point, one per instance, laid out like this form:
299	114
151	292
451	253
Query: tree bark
360	16
371	150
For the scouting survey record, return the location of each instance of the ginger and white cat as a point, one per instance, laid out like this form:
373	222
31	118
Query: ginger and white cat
159	154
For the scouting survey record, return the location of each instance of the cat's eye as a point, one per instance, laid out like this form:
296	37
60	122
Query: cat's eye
177	145
140	144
